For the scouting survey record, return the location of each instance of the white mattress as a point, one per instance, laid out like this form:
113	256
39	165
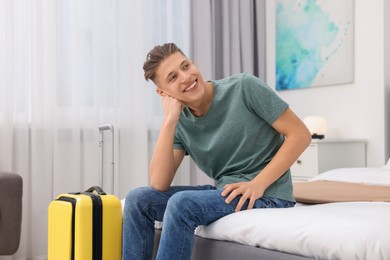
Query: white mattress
348	230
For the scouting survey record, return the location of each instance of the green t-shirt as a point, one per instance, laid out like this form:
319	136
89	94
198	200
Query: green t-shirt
234	141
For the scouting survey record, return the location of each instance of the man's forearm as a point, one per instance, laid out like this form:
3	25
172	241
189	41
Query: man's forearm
162	164
290	150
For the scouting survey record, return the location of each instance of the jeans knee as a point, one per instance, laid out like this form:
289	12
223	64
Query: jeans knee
136	199
182	210
136	194
180	203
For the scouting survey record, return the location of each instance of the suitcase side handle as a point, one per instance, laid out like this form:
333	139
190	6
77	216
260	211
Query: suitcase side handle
98	189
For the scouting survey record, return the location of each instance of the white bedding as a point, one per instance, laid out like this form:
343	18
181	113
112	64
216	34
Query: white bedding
370	176
347	230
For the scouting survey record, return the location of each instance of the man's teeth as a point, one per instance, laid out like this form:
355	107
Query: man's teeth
190	87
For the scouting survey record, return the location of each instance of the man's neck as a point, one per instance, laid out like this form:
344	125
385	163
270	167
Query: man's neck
202	107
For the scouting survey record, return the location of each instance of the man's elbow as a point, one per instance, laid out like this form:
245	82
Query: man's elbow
306	138
158	185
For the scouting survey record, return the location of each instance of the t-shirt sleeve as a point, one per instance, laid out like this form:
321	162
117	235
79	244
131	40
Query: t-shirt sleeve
261	99
177	144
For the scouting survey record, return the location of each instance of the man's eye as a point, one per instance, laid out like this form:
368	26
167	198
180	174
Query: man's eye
186	66
172	78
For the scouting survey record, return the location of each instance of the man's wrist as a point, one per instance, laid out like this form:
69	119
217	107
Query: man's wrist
261	182
169	122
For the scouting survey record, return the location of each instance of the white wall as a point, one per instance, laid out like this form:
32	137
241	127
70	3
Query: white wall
355	110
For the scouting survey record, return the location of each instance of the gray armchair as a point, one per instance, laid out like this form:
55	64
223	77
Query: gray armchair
11	189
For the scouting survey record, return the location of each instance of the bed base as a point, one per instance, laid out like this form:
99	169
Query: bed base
210	249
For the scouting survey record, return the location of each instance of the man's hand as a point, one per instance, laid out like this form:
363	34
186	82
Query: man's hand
248	191
172	108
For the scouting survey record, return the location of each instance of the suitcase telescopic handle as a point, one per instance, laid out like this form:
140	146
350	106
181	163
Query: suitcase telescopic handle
106	127
103	128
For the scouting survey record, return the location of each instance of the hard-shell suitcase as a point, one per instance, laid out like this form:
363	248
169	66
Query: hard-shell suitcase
86	225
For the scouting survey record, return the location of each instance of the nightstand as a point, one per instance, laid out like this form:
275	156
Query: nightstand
327	154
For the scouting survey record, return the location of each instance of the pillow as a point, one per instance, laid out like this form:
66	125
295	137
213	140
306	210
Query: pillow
370	176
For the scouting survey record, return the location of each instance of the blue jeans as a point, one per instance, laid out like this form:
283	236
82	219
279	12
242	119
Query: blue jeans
182	209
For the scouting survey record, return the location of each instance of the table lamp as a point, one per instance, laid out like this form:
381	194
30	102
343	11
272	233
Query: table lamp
317	126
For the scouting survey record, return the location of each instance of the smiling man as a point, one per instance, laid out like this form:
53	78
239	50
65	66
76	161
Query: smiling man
238	132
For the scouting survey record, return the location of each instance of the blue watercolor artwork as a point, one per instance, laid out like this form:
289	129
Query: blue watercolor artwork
314	43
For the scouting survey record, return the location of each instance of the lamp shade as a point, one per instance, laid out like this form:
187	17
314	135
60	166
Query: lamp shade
317	125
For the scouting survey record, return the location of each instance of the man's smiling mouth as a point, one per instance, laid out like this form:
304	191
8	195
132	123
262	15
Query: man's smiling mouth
190	87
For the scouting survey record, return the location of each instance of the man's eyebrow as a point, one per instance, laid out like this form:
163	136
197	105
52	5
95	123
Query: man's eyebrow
170	73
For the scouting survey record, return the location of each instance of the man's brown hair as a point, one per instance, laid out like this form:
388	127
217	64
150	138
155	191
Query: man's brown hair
156	56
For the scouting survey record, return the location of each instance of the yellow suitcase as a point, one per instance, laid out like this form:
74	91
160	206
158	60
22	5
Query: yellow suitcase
84	226
87	225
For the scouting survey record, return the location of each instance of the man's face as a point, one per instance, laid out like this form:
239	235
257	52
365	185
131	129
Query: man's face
177	77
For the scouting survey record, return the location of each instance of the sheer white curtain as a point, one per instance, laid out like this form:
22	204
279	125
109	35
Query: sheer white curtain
67	67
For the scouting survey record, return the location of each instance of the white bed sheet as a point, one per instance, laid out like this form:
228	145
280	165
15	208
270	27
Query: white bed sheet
347	230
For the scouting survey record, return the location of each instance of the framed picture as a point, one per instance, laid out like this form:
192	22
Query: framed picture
310	43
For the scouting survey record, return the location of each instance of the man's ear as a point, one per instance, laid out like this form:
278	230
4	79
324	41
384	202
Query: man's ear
160	92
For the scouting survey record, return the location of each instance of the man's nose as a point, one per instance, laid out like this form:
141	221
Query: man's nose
185	77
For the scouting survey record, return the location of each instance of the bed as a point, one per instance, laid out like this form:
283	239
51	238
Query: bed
340	214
